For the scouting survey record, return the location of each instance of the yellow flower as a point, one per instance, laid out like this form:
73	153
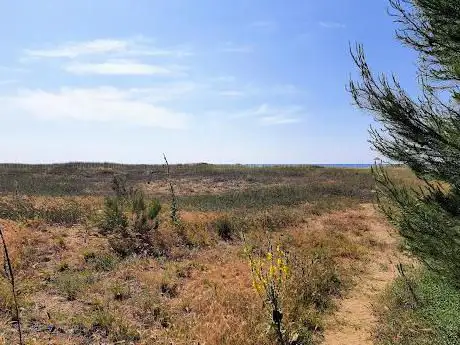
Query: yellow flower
272	271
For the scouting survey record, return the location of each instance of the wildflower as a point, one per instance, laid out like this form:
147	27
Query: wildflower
269	275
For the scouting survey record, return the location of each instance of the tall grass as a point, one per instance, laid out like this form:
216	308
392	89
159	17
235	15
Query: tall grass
95	178
10	275
62	211
285	195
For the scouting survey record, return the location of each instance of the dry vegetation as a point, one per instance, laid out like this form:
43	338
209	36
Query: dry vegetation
195	286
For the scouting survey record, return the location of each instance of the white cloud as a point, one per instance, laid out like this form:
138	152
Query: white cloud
252	90
131	47
167	91
103	104
279	120
332	25
231	93
230	47
120	67
76	49
270	115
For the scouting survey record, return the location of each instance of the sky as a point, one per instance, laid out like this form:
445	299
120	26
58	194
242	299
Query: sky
240	81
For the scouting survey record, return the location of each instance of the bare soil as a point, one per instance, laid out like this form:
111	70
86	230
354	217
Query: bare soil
354	320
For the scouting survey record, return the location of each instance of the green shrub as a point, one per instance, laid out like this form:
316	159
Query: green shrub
103	320
130	221
71	284
100	261
114	217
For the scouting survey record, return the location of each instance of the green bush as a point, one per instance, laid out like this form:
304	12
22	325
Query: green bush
100	261
114	217
130	221
71	284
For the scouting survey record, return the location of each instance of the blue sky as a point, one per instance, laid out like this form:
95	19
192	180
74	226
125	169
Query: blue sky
241	81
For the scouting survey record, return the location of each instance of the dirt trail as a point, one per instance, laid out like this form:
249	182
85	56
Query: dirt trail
354	320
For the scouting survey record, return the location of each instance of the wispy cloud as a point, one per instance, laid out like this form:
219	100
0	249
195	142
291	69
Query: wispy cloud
231	93
165	92
264	25
230	47
129	47
103	104
274	115
76	49
332	25
252	90
279	120
122	67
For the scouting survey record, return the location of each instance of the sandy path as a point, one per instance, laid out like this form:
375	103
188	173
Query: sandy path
354	320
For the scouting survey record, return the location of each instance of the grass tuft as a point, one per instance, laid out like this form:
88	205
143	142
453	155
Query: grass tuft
434	320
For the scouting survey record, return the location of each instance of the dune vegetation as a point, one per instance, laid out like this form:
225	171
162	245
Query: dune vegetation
106	264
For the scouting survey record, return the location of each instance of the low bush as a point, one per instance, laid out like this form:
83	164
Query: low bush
130	221
100	261
224	228
71	284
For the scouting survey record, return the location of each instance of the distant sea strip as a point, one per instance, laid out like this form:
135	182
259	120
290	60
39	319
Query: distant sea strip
335	165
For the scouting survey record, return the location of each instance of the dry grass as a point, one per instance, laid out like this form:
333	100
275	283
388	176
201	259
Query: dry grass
200	294
73	289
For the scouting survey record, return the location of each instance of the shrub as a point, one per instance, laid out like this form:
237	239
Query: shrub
71	284
114	217
103	320
224	228
100	261
130	221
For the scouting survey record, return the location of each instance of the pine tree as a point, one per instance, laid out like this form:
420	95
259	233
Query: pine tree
422	133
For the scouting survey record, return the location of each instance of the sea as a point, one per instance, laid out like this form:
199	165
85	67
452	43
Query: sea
328	165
